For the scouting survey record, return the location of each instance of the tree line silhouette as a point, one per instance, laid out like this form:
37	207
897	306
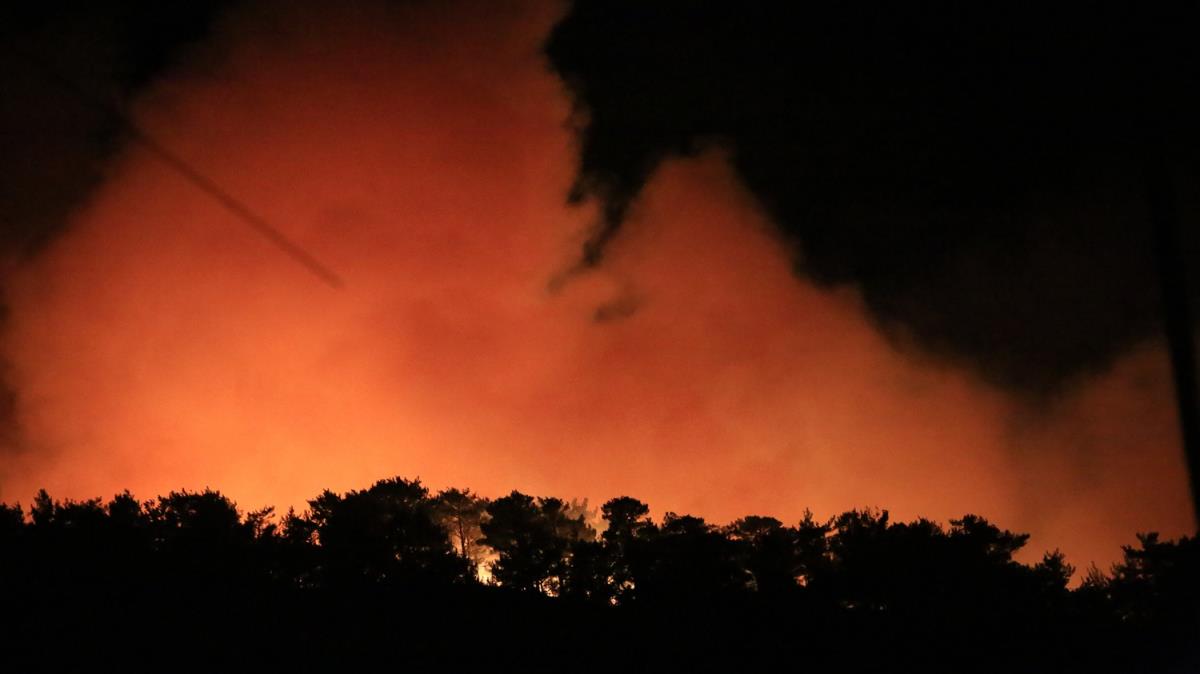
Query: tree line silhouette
541	584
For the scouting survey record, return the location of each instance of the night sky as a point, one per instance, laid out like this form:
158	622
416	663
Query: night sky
727	259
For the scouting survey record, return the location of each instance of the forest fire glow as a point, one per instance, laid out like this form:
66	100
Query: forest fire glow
426	155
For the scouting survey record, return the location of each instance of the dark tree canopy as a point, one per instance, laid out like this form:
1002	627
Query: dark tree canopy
533	539
388	533
382	571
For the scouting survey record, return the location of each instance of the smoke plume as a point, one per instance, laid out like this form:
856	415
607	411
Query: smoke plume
425	153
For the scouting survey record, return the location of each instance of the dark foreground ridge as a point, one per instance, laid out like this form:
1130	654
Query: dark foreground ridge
389	575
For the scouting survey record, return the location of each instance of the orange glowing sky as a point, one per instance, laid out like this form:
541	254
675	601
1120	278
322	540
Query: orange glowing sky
426	158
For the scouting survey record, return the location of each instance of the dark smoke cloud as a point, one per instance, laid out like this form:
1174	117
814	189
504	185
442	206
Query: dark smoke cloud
976	172
55	142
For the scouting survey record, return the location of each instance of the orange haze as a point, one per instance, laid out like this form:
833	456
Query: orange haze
425	153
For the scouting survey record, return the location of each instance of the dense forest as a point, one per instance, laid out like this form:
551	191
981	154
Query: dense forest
398	574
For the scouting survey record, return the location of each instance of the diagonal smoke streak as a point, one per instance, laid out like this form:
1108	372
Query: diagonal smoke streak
237	207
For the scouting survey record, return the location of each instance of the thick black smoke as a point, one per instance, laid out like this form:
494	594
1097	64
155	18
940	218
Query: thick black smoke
55	141
976	171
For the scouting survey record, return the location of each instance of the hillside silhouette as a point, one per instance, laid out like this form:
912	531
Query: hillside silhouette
395	574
